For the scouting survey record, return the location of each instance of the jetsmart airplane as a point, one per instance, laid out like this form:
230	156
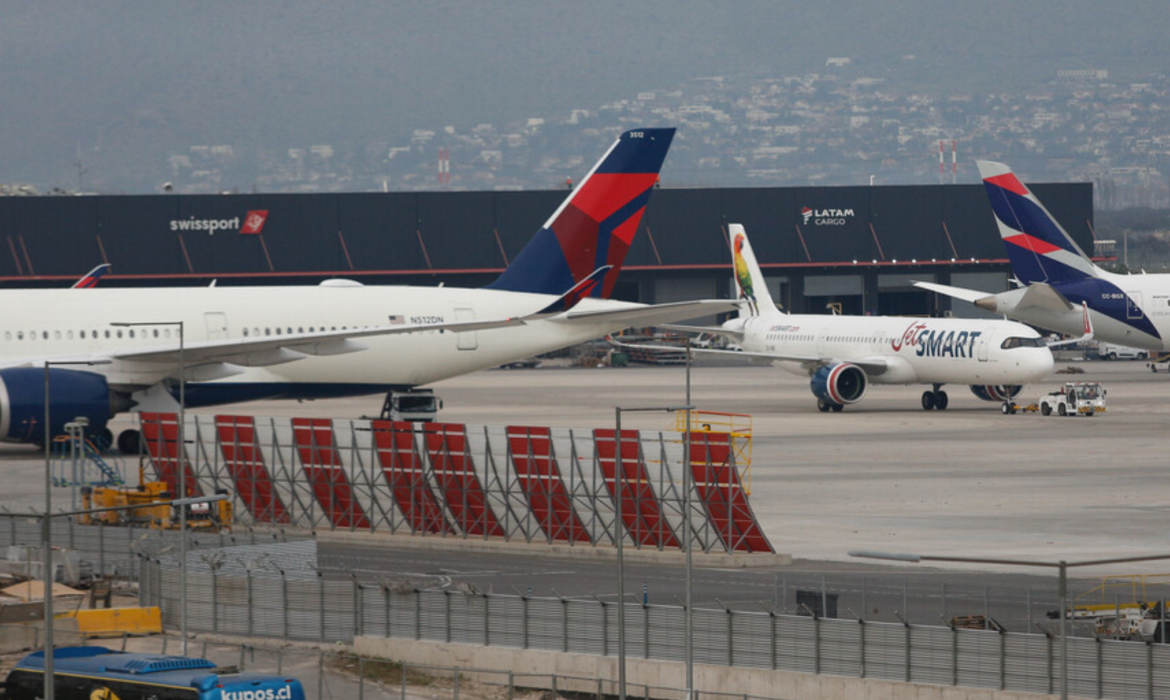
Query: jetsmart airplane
1059	279
842	355
337	339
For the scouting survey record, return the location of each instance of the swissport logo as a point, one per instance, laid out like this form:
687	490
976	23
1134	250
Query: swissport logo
284	693
826	217
253	224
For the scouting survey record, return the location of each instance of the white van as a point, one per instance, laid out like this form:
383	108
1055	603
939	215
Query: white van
1109	351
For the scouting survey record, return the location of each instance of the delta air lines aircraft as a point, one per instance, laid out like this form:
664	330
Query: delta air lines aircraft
1058	279
337	339
843	355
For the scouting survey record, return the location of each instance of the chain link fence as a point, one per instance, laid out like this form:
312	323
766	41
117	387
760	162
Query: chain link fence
271	593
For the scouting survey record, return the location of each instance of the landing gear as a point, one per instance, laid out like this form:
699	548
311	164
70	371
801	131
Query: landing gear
1008	408
130	442
934	399
824	406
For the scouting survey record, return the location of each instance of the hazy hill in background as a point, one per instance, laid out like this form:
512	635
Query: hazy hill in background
129	83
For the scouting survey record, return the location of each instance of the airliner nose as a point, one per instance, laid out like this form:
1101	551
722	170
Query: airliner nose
1041	363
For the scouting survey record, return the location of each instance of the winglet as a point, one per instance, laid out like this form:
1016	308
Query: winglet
575	294
90	279
1087	327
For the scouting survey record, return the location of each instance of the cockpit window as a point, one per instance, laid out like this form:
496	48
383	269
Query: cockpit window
1010	343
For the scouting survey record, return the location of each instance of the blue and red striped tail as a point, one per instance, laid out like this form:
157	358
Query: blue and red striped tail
595	226
1039	249
90	279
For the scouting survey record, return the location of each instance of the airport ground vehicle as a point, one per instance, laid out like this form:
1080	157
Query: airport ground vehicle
155	512
1074	398
1161	364
82	673
1111	351
411	405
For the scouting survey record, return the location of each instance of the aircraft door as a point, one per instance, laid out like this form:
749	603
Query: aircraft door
216	325
1133	305
981	343
466	340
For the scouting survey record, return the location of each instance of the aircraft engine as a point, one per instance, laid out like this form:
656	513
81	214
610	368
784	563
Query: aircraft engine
839	384
71	394
996	393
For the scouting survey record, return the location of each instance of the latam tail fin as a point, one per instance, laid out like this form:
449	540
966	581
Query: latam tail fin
749	279
1039	249
90	279
595	226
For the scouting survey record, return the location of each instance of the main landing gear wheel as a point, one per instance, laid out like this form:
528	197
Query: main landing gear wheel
934	399
837	407
823	406
1007	409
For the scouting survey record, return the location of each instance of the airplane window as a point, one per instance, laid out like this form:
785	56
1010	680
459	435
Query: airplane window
156	332
83	335
20	335
107	334
278	330
290	330
255	331
119	333
56	335
267	331
166	332
44	335
1010	343
245	332
300	330
69	335
131	332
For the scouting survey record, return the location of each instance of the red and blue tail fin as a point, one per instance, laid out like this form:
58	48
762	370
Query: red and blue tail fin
595	226
1039	249
90	279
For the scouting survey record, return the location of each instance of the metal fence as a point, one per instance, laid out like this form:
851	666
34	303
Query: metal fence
294	604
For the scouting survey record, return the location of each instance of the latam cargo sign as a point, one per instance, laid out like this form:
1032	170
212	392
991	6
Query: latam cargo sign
826	217
253	224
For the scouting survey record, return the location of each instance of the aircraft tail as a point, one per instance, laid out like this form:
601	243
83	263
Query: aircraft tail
749	279
595	226
1039	249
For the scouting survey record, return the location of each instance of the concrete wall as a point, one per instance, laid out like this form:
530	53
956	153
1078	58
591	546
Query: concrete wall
785	685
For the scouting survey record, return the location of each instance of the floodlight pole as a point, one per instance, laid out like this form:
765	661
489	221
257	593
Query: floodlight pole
182	459
620	531
46	528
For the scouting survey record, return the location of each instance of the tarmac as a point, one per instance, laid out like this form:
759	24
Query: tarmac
882	475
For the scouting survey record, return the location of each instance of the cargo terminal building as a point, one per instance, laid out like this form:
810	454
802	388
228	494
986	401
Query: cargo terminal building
856	249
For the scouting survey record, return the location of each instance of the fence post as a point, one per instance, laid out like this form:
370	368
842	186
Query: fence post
816	645
511	686
403	680
214	600
101	547
772	635
455	684
321	675
361	678
359	621
447	616
248	583
524	604
417	614
861	644
321	604
954	655
564	625
284	605
487	603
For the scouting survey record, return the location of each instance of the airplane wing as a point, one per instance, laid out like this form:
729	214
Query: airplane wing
733	334
873	366
655	314
971	295
1044	296
1087	327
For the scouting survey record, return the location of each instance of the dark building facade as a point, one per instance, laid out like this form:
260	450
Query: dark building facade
854	247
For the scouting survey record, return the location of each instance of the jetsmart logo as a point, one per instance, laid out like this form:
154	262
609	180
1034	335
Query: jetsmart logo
284	693
826	217
253	223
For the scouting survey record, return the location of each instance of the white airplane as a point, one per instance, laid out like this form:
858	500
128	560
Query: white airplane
337	339
1059	279
843	355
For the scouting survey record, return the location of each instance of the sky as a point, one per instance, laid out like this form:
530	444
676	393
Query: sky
125	83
